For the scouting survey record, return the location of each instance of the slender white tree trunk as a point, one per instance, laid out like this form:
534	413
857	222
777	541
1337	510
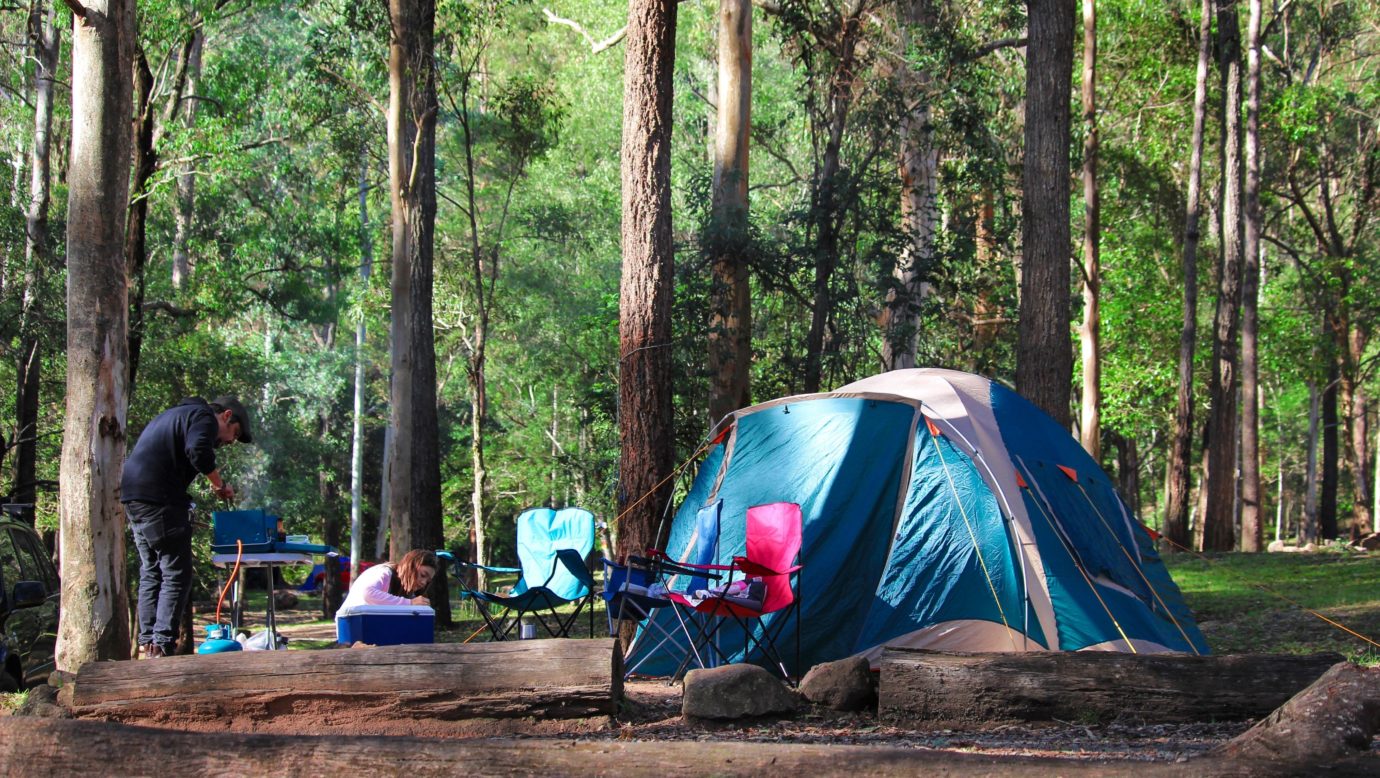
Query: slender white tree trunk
357	429
94	623
1090	332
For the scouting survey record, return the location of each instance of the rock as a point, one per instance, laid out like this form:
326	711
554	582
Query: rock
735	691
1370	542
284	600
41	702
843	685
1334	718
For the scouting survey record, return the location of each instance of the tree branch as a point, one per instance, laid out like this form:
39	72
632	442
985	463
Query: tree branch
242	147
595	47
361	91
170	309
996	45
78	10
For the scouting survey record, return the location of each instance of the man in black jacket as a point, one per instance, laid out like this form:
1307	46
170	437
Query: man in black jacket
177	445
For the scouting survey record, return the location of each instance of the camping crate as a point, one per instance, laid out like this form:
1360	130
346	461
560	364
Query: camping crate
386	625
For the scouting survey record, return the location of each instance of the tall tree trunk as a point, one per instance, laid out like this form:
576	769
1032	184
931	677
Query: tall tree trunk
185	212
479	406
918	163
484	277
644	322
332	588
414	510
1353	400
730	304
1044	354
148	131
94	624
824	214
1251	523
1128	471
385	489
1219	518
1090	333
1327	499
1309	532
144	165
1178	492
37	255
1375	483
366	266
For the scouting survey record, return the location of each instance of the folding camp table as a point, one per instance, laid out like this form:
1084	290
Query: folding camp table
270	561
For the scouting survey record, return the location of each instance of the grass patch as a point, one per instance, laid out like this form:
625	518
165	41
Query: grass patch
1255	603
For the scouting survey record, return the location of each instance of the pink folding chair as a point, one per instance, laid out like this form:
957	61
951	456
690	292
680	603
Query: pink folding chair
763	581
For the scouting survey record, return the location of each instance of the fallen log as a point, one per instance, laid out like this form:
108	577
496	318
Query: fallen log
958	689
383	690
1334	718
65	747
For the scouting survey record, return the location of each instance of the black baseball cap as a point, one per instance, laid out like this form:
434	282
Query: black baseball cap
237	414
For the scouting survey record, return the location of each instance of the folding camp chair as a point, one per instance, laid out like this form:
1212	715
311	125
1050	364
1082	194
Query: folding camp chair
636	590
633	592
759	583
552	546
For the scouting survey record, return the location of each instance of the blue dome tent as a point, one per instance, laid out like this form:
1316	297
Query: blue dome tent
940	510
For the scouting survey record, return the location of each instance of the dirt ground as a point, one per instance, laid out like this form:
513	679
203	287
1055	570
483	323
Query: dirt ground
653	713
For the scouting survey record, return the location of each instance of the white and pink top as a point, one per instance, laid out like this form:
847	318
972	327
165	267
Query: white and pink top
371	588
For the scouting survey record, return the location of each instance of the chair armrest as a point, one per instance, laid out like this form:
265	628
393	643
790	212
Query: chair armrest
752	568
575	564
472	565
662	563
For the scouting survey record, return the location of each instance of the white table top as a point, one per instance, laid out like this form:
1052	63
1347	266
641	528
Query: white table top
261	560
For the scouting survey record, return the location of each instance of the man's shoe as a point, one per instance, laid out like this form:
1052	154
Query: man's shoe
153	651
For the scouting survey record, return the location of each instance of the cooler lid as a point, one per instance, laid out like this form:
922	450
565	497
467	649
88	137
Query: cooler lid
385	610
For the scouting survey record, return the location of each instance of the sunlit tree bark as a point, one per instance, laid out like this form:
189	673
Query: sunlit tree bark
644	321
414	510
730	306
1219	515
1180	482
1090	332
1251	533
94	623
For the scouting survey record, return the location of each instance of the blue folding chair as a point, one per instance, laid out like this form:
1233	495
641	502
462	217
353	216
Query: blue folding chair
643	586
552	546
634	592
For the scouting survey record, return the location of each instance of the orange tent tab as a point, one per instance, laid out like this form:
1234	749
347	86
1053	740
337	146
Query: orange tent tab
933	429
1020	481
1070	472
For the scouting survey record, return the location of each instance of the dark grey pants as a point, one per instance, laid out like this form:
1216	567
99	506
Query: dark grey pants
163	537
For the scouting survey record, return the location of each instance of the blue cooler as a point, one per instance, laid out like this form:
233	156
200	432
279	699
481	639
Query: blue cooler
386	625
